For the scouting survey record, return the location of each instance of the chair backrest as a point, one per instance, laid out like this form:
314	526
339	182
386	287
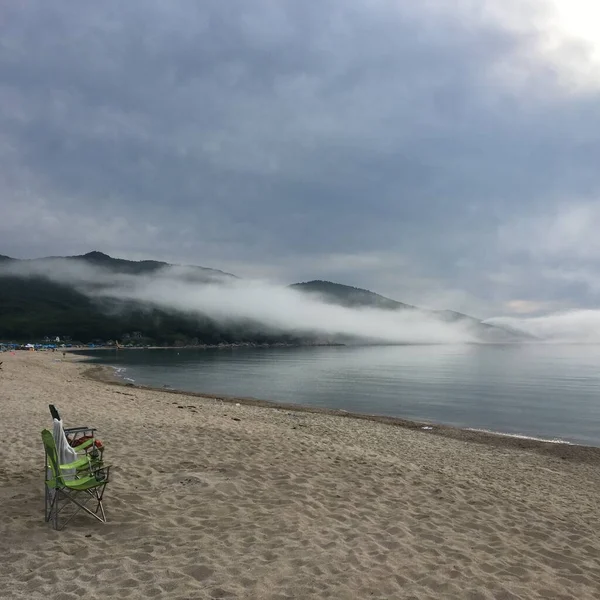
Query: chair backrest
52	459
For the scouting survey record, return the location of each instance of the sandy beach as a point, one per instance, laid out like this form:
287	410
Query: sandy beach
215	499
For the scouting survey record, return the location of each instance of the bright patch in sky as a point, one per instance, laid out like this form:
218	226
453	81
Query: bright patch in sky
580	19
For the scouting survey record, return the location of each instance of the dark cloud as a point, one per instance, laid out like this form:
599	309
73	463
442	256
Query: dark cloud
391	145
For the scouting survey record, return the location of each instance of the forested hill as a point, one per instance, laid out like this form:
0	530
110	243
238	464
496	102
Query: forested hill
34	307
349	296
353	297
133	267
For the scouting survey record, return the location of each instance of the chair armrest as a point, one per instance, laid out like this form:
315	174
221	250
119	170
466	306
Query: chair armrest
101	473
82	462
69	430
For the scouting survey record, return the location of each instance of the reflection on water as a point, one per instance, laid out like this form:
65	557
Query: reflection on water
551	391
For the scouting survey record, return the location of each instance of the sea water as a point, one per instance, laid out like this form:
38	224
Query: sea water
537	390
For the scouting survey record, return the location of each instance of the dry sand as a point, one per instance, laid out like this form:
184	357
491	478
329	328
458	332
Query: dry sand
213	500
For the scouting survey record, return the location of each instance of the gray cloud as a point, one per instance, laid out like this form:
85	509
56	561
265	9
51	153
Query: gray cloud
403	147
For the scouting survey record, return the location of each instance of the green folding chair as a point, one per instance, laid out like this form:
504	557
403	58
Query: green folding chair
81	482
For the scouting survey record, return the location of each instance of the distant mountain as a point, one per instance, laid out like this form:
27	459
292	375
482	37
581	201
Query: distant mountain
33	307
345	295
133	267
353	297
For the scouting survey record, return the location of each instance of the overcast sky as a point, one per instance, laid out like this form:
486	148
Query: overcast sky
441	152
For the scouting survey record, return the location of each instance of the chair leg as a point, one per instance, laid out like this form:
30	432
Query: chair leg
82	505
46	502
51	506
56	498
99	493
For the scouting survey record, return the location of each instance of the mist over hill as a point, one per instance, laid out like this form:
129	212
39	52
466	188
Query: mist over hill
97	297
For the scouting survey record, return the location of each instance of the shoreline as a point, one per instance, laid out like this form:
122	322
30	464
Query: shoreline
232	346
563	450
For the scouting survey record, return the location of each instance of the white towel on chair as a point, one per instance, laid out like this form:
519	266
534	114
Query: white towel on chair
65	453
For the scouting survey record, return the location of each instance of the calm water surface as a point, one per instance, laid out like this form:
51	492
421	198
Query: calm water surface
548	391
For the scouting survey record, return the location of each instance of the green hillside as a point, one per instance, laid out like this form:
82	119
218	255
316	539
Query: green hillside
353	297
345	295
34	307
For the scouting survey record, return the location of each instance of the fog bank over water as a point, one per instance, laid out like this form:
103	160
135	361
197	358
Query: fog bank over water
575	326
229	299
